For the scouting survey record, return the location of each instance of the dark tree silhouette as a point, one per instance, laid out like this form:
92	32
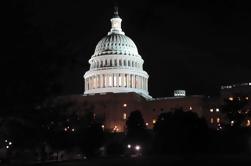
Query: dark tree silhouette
135	125
180	132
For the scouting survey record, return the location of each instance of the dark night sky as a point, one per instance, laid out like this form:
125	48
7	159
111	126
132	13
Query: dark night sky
193	46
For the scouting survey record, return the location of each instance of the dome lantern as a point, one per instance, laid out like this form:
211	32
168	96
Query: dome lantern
116	23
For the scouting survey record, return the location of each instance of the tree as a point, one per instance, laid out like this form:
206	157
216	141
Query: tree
135	125
180	132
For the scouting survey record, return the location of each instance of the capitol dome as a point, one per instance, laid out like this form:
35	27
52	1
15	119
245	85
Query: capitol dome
116	65
116	44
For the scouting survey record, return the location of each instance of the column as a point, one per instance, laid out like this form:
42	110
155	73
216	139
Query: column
103	80
142	82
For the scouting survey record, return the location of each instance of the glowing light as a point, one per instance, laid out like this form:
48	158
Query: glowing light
115	129
110	80
212	120
124	116
190	108
120	81
73	130
246	98
6	140
7	147
65	129
146	124
124	105
231	98
248	123
154	121
218	120
217	110
129	146
137	147
103	126
232	123
211	110
10	143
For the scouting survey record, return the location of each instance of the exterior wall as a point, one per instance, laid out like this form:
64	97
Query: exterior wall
111	108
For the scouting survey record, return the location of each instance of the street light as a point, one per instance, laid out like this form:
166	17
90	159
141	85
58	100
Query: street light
137	147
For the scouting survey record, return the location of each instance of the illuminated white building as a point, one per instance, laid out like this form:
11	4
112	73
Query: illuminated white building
116	65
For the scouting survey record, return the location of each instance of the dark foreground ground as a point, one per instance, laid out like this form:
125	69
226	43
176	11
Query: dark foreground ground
158	160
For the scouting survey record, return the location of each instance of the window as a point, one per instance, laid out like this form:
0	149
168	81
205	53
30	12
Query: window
211	120
120	80
154	121
218	120
110	80
115	80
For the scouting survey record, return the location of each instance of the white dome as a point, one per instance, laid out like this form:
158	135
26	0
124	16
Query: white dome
116	65
115	43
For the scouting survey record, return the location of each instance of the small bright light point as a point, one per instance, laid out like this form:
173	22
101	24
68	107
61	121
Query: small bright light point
218	120
65	129
212	120
6	140
190	108
231	98
146	124
103	126
217	109
211	110
246	98
73	130
154	121
232	123
137	147
124	105
124	116
10	143
7	147
129	146
248	123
